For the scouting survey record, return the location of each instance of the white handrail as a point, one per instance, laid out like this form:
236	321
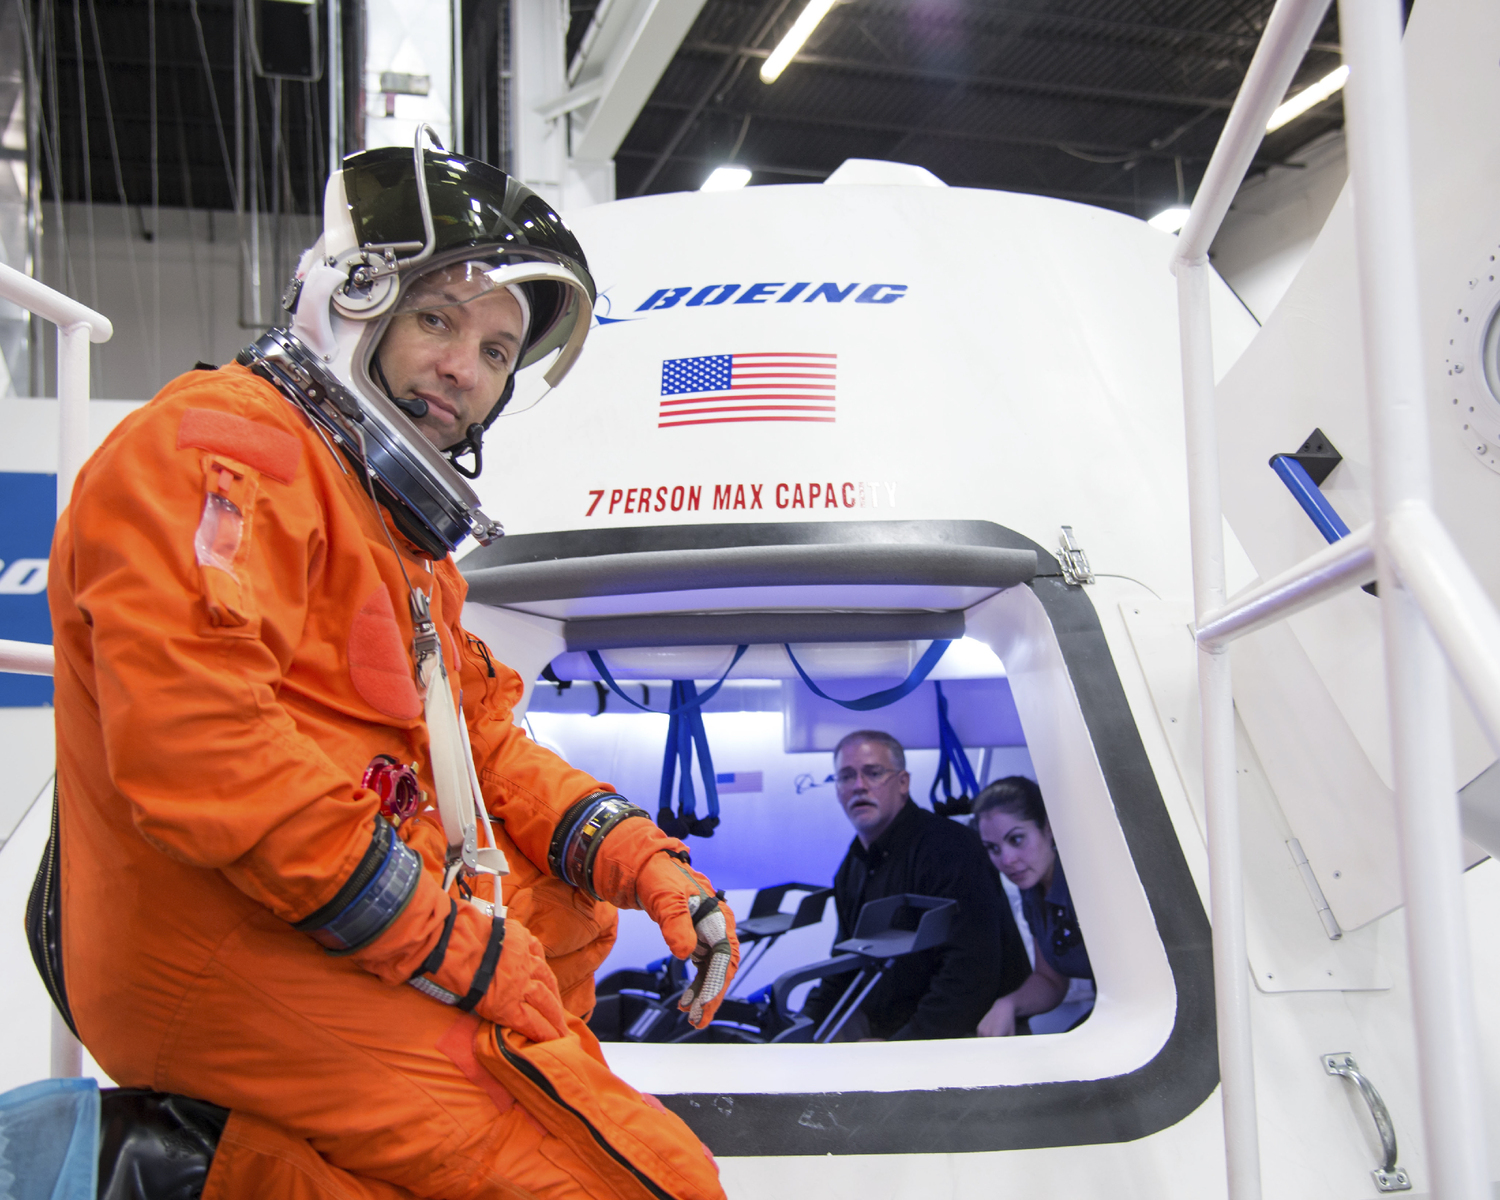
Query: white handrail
63	311
1226	891
77	326
1425	589
1288	34
1347	563
1429	836
1460	611
25	658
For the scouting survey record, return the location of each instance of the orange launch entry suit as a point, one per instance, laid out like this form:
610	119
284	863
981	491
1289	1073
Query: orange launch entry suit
222	683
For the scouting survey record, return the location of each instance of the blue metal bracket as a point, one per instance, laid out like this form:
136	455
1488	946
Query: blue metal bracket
1310	497
1293	472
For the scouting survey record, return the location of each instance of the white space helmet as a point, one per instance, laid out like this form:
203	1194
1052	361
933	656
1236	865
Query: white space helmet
390	234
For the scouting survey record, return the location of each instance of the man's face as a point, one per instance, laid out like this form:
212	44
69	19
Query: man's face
453	344
870	787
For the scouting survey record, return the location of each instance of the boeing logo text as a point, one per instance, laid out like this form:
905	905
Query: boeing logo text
714	294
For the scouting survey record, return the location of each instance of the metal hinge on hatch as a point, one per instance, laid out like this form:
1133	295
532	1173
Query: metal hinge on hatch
1075	563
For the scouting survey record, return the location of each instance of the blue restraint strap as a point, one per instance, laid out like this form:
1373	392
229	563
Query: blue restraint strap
1310	497
685	731
687	802
880	699
669	760
598	660
952	756
700	740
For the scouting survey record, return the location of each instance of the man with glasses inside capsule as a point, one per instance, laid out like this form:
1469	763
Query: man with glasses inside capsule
308	868
900	848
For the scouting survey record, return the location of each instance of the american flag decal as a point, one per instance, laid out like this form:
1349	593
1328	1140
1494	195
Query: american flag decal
719	388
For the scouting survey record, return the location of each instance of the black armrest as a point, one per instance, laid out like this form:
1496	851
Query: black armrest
897	925
768	900
781	990
634	979
810	910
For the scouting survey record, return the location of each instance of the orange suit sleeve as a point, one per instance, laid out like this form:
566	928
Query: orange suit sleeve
188	674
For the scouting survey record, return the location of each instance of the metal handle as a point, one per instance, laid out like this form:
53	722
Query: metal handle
429	235
1388	1176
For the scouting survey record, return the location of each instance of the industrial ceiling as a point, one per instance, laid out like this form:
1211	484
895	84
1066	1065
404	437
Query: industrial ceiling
1112	102
1103	101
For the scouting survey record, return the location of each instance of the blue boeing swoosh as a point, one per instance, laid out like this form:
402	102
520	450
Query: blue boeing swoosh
615	320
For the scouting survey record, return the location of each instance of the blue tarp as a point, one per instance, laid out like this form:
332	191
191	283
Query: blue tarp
49	1141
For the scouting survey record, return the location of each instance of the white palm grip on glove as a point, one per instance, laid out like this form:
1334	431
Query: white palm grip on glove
711	957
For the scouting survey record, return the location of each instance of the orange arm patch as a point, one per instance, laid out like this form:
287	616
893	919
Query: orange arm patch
272	452
379	666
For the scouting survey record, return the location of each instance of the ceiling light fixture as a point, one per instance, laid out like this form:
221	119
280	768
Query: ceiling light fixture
726	179
1170	220
801	30
1291	109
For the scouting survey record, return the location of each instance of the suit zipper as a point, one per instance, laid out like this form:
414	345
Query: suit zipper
49	934
534	1074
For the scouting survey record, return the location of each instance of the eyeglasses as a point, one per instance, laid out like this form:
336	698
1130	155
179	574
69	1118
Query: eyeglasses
871	773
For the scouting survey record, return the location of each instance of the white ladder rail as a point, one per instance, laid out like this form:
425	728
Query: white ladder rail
77	326
1288	33
1427	592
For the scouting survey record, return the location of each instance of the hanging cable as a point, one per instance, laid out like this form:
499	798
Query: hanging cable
256	184
597	659
86	158
32	88
317	170
156	372
52	148
204	310
239	168
114	157
890	695
275	186
213	103
310	160
952	760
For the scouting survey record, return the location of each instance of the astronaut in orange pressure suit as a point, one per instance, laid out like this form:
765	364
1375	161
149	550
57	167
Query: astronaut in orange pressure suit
234	619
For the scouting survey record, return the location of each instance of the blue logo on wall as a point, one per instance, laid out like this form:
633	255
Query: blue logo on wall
28	511
766	293
715	294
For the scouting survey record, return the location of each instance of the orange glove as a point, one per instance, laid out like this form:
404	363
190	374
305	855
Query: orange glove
506	965
523	994
696	924
638	866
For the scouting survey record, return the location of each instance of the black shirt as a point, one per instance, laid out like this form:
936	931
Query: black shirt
943	992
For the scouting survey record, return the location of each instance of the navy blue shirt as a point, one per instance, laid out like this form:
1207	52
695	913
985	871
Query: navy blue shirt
1054	927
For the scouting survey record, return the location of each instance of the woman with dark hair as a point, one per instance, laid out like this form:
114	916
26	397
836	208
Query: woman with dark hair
1012	824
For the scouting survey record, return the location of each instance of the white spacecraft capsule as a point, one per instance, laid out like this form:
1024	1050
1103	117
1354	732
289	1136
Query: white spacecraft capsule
855	418
819	430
